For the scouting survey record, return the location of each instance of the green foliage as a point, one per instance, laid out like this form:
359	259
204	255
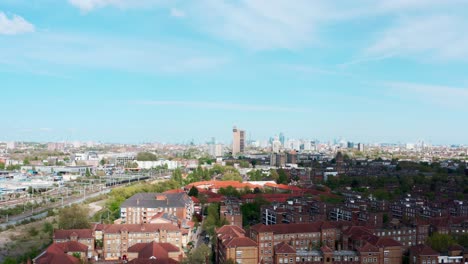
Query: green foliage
48	228
282	177
251	212
32	231
274	175
229	191
244	164
146	156
232	176
331	200
131	165
74	217
463	240
199	255
255	175
193	192
9	260
440	242
77	255
206	160
177	176
213	220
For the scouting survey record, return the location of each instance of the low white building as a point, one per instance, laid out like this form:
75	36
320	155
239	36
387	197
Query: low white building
171	164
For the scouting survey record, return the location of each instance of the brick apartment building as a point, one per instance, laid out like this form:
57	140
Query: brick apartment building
117	239
231	243
323	242
140	208
230	210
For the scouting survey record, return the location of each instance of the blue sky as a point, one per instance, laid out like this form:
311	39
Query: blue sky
172	71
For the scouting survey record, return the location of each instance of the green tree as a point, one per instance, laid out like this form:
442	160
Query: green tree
244	164
232	176
9	260
193	192
199	255
103	162
229	191
282	177
177	176
48	228
74	217
26	161
463	240
146	156
440	242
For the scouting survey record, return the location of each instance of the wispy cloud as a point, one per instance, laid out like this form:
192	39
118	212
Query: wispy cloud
366	59
437	37
446	96
311	70
89	5
223	106
14	25
177	13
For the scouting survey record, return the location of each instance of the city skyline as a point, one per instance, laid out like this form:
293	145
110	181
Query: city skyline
171	71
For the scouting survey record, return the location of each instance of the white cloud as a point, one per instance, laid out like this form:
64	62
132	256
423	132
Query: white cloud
15	25
177	13
223	106
260	24
446	96
437	37
89	5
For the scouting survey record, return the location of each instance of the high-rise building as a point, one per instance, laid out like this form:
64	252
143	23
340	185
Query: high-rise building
238	141
282	139
276	145
216	150
361	147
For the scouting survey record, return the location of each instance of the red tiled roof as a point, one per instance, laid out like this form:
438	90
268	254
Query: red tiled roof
368	247
136	228
423	250
54	255
222	184
284	248
288	228
456	247
160	251
73	246
174	191
153	261
80	233
241	242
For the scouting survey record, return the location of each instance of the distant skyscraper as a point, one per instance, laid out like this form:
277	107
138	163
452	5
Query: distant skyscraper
238	141
361	147
276	145
282	139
